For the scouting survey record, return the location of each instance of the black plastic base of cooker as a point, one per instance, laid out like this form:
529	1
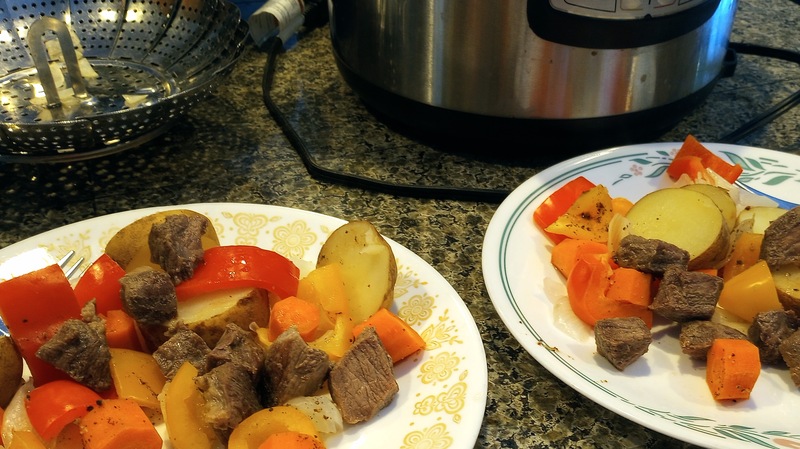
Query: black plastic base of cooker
503	138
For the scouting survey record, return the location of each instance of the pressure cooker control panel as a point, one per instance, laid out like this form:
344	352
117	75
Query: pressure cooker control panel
623	9
616	24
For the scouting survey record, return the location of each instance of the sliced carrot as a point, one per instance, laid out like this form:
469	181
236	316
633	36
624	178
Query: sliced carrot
399	339
292	440
692	147
732	368
631	286
121	331
119	424
566	252
293	311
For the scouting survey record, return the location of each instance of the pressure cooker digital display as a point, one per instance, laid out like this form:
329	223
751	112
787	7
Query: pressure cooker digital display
617	24
623	9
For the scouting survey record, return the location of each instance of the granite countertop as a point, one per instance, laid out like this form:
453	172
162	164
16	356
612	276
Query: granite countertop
229	149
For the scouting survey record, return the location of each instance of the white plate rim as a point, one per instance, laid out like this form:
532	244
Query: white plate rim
460	425
767	170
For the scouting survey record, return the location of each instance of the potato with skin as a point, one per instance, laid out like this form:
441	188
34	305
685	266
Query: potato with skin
686	218
208	314
129	247
10	370
721	198
369	268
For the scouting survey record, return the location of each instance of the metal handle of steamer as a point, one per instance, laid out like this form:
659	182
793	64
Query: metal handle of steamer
42	61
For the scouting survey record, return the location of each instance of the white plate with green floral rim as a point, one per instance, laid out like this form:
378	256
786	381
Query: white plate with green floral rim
663	390
442	390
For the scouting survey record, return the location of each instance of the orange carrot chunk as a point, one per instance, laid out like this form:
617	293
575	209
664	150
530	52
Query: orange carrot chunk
293	311
630	286
399	339
292	440
119	424
566	253
732	368
121	331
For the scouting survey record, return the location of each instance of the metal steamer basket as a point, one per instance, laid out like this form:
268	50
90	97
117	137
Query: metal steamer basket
84	78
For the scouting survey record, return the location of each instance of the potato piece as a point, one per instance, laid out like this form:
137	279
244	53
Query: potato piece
761	217
129	247
685	218
208	314
10	370
787	282
721	198
369	268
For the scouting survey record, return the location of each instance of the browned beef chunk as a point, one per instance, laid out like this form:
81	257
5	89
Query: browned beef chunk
238	346
79	348
362	382
176	246
229	397
768	330
149	296
293	368
696	337
183	346
687	295
622	340
781	244
649	255
790	351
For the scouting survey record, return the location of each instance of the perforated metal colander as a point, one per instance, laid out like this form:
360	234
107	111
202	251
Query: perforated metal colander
148	63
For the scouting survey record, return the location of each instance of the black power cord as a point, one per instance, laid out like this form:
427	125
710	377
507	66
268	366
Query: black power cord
274	46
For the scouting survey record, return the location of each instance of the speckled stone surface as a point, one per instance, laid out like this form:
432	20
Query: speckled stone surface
228	149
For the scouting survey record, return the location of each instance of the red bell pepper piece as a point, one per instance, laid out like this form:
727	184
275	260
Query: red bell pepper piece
237	266
684	162
33	306
53	405
558	203
101	282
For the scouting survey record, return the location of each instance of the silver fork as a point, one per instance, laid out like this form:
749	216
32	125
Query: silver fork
783	204
69	271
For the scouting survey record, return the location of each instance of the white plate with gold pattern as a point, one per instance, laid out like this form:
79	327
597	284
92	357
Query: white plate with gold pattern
662	390
442	390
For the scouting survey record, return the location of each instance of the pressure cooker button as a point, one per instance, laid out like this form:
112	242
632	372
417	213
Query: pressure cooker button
665	2
632	5
573	6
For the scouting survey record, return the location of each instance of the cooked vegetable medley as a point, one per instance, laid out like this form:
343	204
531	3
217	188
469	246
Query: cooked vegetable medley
700	255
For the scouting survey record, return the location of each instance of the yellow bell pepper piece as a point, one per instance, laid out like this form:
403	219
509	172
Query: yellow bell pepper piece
337	340
749	292
324	287
182	412
137	376
256	428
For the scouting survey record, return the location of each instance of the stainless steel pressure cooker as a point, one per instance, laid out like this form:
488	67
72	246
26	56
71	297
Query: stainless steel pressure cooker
573	74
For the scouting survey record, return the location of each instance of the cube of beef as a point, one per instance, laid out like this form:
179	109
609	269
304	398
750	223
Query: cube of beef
696	337
149	296
622	340
790	351
79	348
649	255
293	368
687	295
362	382
183	346
238	346
781	244
768	330
229	397
176	245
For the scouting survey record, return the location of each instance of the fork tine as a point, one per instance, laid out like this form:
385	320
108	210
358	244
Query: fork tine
68	272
